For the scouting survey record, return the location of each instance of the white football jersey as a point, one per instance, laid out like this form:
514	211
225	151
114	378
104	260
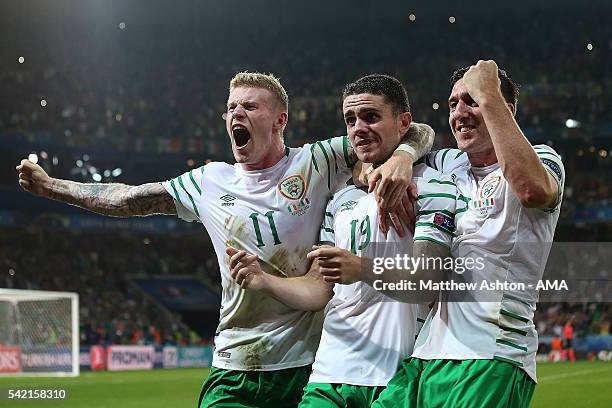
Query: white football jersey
365	333
275	213
514	242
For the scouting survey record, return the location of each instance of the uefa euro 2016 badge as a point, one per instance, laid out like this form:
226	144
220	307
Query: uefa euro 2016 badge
486	201
294	188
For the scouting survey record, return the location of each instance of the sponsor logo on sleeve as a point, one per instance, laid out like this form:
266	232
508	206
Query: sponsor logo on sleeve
554	167
444	221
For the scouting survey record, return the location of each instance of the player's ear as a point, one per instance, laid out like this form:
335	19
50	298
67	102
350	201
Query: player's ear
281	121
405	119
512	108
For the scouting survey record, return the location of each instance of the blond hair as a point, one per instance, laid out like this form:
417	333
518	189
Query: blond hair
265	81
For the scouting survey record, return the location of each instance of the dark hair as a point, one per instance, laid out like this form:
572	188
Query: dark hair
509	89
378	84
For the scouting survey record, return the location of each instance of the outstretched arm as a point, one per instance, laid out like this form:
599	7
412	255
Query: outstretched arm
309	292
116	200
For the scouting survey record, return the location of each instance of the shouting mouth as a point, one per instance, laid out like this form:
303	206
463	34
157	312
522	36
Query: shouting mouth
241	135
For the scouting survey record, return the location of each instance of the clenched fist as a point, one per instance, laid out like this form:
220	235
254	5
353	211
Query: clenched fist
33	179
482	81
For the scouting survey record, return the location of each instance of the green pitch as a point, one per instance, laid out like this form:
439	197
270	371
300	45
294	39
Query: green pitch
561	385
581	384
126	389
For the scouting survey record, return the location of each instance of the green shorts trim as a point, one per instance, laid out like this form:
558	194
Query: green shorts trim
457	383
326	395
233	388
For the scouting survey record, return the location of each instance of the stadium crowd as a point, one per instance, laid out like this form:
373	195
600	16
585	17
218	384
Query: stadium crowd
587	318
119	102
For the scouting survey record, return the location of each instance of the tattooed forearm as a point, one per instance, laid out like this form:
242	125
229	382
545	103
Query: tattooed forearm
117	200
420	137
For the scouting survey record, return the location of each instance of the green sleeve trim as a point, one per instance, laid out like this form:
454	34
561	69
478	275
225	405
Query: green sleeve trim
435	241
463	198
459	154
508	360
513	330
432	225
510	344
427	212
323	227
437	195
540	148
513	315
450	183
460	210
176	194
194	182
443	157
345	150
331	147
420	320
195	208
314	158
327	162
517	299
548	154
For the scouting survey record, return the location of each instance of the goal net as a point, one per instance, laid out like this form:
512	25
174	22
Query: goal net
39	333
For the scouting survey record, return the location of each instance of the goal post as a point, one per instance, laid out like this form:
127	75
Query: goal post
39	333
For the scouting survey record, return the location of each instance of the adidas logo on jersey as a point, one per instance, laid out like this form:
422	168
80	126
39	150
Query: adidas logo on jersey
228	198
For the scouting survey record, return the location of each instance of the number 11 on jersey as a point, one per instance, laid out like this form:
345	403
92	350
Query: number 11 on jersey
255	218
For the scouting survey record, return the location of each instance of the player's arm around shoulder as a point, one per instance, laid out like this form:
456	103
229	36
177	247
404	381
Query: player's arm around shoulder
113	199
